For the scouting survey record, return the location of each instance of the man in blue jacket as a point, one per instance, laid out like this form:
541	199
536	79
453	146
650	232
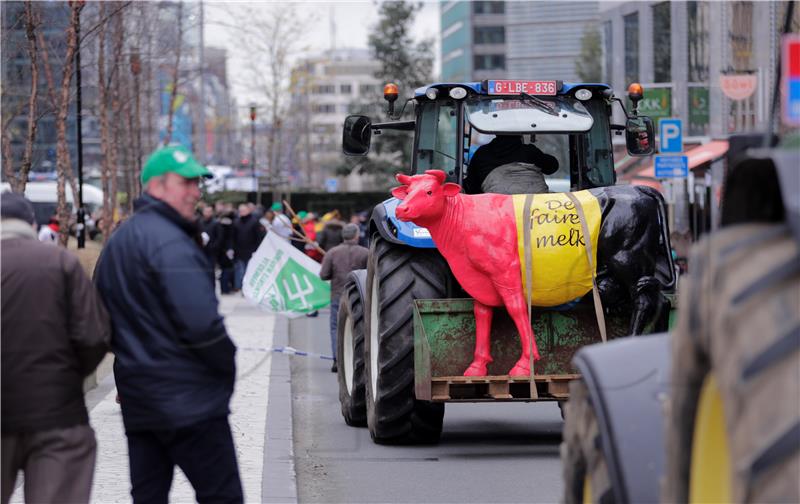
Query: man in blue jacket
174	365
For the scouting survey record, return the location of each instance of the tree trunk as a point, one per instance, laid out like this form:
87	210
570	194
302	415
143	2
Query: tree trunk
18	182
175	73
62	151
105	137
115	109
51	96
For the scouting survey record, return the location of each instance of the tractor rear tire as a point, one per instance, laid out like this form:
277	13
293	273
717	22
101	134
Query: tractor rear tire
350	356
396	276
586	477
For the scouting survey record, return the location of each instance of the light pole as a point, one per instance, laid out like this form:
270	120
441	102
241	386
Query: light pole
253	149
136	69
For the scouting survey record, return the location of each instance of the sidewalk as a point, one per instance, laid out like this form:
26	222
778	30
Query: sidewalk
251	329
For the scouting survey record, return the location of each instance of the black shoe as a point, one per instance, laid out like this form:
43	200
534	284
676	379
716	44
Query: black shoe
334	369
312	314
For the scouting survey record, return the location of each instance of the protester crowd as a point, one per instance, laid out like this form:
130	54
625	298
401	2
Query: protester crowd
153	304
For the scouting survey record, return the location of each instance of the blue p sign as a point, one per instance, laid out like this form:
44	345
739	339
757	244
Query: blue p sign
671	136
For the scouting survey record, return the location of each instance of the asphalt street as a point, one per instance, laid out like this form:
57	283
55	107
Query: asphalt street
489	452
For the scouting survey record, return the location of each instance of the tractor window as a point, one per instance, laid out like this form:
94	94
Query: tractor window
437	147
597	146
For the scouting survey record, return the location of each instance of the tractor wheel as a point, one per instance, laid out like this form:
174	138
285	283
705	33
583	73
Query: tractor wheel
350	356
733	418
586	477
396	276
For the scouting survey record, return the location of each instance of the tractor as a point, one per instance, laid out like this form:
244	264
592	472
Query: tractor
406	326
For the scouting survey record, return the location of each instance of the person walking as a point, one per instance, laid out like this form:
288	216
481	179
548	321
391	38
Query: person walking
331	234
174	366
336	265
211	235
55	332
247	235
225	251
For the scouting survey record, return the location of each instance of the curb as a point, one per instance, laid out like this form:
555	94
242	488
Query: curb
278	479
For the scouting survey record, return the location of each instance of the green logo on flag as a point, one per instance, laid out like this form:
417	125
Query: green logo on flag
300	289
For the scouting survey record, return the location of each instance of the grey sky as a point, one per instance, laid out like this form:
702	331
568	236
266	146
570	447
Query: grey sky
353	20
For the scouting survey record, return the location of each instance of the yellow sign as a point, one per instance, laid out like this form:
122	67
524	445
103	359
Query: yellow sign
561	270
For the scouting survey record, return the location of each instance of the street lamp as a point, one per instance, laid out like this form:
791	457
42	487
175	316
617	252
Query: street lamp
253	146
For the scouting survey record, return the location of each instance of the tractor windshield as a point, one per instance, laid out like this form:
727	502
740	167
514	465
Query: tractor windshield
531	114
437	141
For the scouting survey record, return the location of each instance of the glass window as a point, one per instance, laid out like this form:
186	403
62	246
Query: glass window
489	35
697	39
527	116
609	51
489	62
324	89
662	47
631	25
488	7
438	142
345	89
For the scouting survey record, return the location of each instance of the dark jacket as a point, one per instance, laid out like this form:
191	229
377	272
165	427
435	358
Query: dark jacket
225	242
55	331
331	235
174	360
247	235
211	227
504	150
339	261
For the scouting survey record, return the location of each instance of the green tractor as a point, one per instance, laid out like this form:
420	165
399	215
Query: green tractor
406	327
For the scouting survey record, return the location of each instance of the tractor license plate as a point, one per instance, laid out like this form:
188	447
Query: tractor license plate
515	87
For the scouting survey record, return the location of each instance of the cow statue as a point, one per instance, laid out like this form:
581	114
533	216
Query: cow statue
479	237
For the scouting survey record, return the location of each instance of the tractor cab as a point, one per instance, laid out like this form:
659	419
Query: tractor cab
571	122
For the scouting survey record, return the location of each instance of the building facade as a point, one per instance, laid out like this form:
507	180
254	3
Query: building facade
544	39
473	40
711	64
325	89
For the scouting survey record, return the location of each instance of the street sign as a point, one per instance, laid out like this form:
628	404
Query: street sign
672	166
791	80
331	185
670	136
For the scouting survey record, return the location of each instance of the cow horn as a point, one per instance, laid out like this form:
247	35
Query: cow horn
439	174
403	178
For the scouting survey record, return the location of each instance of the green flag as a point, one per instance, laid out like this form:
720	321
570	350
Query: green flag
283	280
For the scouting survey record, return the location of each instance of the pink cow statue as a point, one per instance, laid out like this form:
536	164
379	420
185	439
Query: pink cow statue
477	236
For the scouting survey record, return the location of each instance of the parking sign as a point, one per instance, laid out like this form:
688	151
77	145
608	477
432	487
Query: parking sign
670	136
671	166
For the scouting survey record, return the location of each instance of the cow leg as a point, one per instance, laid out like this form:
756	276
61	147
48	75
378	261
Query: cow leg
483	327
518	311
645	296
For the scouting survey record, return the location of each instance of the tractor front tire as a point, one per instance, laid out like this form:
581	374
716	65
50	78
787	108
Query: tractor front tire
586	477
396	276
350	356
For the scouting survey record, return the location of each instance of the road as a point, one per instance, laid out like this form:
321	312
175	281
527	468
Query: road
505	452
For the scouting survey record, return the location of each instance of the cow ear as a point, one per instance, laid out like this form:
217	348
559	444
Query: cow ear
439	174
403	178
400	192
451	189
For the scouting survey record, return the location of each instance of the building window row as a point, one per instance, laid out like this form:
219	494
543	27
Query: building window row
489	62
323	89
488	7
662	43
489	35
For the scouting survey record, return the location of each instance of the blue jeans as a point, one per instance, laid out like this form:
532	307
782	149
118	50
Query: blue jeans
334	325
239	267
226	280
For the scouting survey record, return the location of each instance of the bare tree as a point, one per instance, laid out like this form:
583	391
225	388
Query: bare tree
271	37
175	74
62	151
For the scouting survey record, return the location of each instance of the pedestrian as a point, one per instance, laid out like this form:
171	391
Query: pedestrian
310	229
225	253
247	235
331	234
174	365
49	232
55	332
281	224
210	235
336	265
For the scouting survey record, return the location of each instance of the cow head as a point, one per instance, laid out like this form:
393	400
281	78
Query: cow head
424	196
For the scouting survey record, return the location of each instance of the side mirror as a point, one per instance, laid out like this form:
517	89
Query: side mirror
356	135
639	136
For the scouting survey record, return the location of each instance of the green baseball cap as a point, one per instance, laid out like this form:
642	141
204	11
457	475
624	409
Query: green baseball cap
176	159
276	207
